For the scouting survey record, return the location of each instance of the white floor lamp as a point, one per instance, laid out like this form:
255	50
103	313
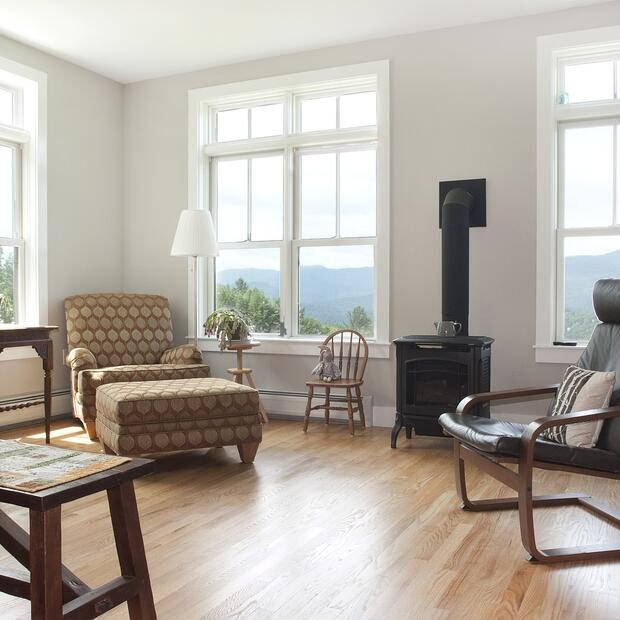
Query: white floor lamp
195	236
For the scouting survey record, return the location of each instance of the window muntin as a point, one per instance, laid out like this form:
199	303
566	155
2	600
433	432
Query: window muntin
323	186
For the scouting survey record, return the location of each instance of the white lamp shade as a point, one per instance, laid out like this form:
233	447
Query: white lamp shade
195	234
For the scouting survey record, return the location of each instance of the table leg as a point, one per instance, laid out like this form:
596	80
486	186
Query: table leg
47	391
130	548
45	565
261	408
45	350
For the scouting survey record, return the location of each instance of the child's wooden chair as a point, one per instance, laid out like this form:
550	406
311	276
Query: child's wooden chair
350	351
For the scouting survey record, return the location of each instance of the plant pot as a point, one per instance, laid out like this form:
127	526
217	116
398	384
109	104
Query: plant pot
237	337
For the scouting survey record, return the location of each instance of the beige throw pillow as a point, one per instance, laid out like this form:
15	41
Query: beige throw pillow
581	390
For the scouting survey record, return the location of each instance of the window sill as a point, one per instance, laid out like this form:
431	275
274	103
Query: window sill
17	353
293	346
550	354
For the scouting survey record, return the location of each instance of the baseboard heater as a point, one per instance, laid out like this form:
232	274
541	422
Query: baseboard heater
289	405
17	417
19	400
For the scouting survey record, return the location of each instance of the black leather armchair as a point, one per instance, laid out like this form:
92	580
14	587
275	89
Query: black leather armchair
488	443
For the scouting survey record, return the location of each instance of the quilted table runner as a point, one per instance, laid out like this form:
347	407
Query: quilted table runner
32	468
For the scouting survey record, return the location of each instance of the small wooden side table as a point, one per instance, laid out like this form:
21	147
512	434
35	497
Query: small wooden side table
55	593
37	337
239	372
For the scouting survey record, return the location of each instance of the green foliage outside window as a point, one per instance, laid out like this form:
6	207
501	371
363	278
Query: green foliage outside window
264	313
7	279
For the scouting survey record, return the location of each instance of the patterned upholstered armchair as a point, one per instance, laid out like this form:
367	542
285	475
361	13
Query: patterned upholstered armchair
122	337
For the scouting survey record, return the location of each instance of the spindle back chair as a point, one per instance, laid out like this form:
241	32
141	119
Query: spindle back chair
350	352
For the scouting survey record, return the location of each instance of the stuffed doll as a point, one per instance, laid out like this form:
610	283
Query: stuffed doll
326	369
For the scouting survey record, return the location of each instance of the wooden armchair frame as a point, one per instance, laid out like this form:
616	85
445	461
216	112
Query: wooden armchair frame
521	481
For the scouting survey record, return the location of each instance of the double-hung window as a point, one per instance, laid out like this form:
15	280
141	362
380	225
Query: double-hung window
11	212
578	187
23	264
295	172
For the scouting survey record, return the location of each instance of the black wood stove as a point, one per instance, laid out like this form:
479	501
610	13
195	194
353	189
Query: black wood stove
434	373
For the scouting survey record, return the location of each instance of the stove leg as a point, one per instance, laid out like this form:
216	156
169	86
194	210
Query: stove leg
408	430
398	424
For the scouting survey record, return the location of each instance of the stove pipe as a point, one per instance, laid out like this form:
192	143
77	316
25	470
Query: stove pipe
455	214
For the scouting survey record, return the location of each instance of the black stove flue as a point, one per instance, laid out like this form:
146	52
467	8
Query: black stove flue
455	213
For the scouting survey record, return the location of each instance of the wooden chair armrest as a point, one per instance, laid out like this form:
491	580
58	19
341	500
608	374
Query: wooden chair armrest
472	400
535	428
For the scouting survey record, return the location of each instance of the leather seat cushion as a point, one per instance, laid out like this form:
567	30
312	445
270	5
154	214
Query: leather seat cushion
504	438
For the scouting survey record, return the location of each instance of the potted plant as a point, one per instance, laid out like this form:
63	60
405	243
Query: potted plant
227	325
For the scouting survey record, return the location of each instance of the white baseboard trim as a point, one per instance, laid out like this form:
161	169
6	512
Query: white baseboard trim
384	416
61	407
292	406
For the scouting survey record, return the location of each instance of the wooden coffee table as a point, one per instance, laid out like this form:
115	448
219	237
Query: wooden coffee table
55	593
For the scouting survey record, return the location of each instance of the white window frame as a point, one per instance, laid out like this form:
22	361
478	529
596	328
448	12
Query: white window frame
553	52
204	103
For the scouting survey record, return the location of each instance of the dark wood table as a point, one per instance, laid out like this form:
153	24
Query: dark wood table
37	337
55	593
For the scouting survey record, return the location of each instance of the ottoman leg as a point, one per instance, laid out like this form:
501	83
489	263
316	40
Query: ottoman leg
247	451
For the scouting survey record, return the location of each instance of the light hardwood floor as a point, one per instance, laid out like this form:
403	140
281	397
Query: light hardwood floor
325	525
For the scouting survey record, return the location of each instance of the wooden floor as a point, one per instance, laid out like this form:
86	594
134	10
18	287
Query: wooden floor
325	526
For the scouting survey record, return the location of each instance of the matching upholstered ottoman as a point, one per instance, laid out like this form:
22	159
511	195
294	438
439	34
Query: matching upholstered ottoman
147	417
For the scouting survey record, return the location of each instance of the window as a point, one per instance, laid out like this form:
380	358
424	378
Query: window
22	195
294	170
11	242
578	187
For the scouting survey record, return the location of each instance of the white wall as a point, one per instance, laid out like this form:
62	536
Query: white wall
85	158
463	106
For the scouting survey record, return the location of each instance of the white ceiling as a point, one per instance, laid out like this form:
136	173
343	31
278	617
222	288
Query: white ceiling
130	40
